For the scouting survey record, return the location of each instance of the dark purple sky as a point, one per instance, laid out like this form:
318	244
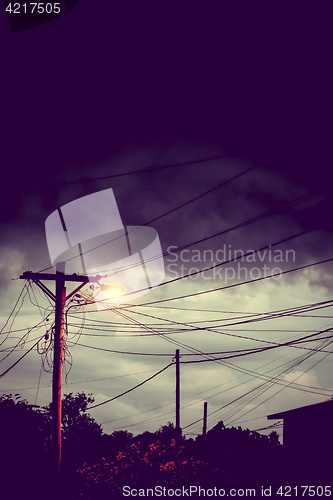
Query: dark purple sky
108	89
79	90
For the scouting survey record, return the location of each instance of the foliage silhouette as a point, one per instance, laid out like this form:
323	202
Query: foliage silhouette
81	434
98	465
25	439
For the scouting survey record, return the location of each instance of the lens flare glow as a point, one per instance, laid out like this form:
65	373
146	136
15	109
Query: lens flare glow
112	291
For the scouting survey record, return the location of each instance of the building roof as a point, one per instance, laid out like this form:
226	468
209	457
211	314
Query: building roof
304	411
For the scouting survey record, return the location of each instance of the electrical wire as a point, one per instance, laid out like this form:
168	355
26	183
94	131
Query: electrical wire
311	335
132	389
188	326
258	218
277	425
271	315
164	214
144	170
227	286
16	362
80	381
264	387
293	387
260	386
281	389
204	353
40	375
301	387
21	298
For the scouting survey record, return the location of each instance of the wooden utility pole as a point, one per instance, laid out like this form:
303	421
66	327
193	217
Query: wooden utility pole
57	361
204	428
60	298
177	392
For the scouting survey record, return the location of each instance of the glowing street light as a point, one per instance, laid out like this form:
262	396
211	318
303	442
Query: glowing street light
112	291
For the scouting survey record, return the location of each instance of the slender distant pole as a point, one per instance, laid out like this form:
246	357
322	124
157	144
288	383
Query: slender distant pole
204	428
177	391
57	361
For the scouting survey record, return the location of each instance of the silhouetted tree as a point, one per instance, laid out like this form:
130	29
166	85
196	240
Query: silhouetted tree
239	455
115	442
145	439
24	438
233	457
168	432
81	434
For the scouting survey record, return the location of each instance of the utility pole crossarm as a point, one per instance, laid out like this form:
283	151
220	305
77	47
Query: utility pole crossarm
28	275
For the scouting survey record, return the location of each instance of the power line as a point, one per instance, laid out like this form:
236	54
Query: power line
200	352
161	216
80	381
16	362
271	380
225	231
175	342
301	360
243	224
257	218
132	389
188	325
20	297
288	385
269	383
291	368
281	313
254	317
261	349
232	354
302	387
297	386
227	286
144	170
168	404
274	426
40	375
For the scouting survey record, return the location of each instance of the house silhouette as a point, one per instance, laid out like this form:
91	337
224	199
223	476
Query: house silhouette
308	437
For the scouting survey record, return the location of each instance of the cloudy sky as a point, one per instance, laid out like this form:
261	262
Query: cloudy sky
213	96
